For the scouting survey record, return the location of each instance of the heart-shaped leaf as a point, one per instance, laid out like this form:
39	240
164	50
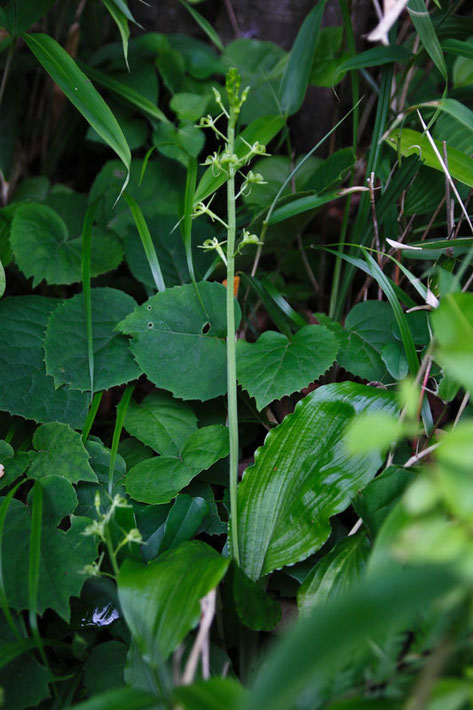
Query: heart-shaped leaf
179	339
275	366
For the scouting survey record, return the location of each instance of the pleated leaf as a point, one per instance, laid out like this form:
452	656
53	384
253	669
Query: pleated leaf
302	476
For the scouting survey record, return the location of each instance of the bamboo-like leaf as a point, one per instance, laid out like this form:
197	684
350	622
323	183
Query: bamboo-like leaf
147	242
297	205
302	476
126	93
121	22
457	47
411	142
66	74
296	76
191	180
425	29
204	25
375	57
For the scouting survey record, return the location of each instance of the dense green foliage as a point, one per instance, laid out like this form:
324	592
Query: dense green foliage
235	381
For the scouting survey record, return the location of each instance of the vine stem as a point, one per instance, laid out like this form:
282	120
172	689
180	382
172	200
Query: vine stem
231	345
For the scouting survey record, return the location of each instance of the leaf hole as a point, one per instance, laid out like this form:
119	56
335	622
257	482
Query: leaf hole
205	328
150	325
148	307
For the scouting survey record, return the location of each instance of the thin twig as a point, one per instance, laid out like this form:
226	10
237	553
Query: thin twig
207	605
417	457
461	408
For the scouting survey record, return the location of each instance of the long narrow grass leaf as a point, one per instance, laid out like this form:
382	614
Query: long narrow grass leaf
85	264
121	22
120	418
3	595
77	87
457	47
186	224
296	75
204	25
34	564
425	29
374	57
147	242
91	414
278	316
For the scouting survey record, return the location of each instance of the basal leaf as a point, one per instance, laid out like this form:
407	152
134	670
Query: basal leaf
275	365
43	250
302	476
255	608
162	422
173	338
159	479
334	573
66	342
25	388
60	451
63	554
160	601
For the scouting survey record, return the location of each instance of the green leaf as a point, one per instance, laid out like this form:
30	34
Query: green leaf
60	451
375	57
43	250
412	142
103	669
425	29
174	325
66	342
121	22
160	601
189	107
204	25
302	476
18	694
129	94
147	242
183	521
121	699
334	574
162	422
297	205
159	480
212	694
275	366
63	554
19	15
452	323
25	388
255	608
321	643
297	73
65	73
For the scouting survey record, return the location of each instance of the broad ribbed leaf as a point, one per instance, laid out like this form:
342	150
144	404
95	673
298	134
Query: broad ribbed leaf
25	388
66	342
179	345
334	573
275	366
159	479
302	476
66	74
43	250
162	422
160	601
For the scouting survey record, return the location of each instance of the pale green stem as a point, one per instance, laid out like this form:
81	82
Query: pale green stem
231	346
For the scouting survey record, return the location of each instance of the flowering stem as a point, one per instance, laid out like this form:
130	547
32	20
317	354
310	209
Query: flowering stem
231	345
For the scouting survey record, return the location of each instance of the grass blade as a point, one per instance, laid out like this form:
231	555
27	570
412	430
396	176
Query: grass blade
147	242
121	412
122	24
66	74
204	25
91	414
85	264
3	595
186	224
34	563
425	29
296	76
